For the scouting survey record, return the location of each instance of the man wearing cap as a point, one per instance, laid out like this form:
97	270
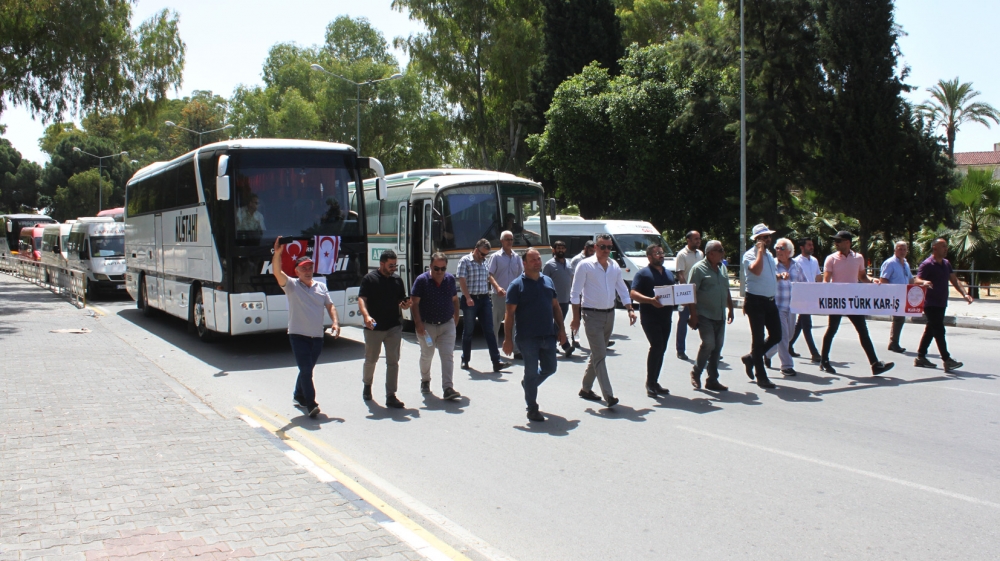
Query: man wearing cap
306	300
846	266
684	261
761	273
558	270
936	271
380	297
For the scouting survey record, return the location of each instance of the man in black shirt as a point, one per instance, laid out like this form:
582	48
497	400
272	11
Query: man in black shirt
381	296
655	318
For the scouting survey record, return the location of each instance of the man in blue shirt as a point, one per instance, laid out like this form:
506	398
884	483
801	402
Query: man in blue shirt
654	317
533	307
761	274
435	315
895	270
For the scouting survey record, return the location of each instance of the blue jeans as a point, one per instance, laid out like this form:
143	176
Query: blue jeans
539	363
482	308
306	351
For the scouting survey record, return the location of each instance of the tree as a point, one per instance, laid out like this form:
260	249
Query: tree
951	106
649	22
79	196
65	163
83	54
18	180
975	238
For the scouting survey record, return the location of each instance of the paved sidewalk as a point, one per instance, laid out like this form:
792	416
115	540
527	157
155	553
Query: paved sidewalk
101	459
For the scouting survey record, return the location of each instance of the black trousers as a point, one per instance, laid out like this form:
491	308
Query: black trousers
763	314
934	330
860	325
656	326
804	326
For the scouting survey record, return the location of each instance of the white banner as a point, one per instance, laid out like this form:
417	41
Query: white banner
861	299
675	294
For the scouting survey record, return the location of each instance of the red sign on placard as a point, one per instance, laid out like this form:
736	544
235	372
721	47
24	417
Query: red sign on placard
915	299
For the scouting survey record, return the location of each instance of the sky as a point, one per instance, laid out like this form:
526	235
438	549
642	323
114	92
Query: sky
228	40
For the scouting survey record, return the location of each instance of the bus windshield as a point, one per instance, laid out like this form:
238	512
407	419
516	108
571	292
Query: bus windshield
107	246
634	245
298	194
473	212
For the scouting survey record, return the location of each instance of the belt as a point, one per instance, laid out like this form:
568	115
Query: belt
438	322
478	295
605	310
769	298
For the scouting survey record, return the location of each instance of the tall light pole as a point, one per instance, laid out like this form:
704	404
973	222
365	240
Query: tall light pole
100	174
743	156
396	76
199	133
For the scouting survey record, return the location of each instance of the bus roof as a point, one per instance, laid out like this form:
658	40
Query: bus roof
440	181
443	171
39	217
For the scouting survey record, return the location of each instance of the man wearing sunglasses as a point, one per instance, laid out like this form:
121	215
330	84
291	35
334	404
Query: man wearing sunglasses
504	266
595	283
761	274
435	316
474	278
381	295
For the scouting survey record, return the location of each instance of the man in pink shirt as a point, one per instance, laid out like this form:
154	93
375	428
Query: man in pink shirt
848	267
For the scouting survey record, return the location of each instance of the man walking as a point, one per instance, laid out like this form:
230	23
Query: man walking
588	251
558	270
473	278
595	283
654	317
435	316
534	318
761	273
381	295
711	284
937	272
810	269
895	270
788	272
683	262
844	265
504	266
306	301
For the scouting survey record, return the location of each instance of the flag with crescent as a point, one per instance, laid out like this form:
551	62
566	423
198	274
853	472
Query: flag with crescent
292	251
325	253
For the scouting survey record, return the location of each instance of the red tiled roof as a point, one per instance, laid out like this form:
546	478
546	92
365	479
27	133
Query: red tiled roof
977	158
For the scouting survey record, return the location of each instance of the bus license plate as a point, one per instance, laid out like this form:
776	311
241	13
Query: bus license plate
120	287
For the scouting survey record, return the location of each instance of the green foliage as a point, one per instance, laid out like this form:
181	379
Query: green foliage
295	118
79	197
648	22
951	106
977	207
58	56
18	180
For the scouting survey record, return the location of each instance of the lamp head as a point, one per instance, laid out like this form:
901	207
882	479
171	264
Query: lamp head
170	123
76	149
396	76
317	68
228	127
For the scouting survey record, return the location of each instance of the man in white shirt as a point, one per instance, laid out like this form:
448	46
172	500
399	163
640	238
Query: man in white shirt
595	283
810	268
504	266
248	218
683	262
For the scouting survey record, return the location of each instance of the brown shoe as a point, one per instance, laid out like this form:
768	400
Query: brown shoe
715	386
696	381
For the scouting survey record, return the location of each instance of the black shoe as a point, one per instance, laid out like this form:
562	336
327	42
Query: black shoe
657	390
450	394
748	364
662	390
576	345
882	367
824	365
696	381
767	362
465	365
714	386
589	395
612	401
535	415
765	383
425	387
788	371
498	366
391	401
682	356
314	411
611	344
567	349
367	394
816	359
518	356
951	364
922	362
792	352
297	399
897	349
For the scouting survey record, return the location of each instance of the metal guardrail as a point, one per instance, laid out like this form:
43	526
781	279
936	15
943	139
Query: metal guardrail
71	283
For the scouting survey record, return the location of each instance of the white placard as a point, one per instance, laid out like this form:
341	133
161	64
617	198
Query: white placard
861	299
684	294
665	294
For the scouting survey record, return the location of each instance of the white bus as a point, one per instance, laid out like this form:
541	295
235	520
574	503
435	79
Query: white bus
630	238
199	230
449	210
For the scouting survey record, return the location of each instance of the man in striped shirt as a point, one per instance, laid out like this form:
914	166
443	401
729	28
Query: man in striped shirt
473	277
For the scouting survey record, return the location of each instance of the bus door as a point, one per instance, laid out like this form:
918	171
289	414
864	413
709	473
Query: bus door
157	289
403	220
425	243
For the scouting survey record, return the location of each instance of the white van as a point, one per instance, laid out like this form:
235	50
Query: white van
631	238
96	246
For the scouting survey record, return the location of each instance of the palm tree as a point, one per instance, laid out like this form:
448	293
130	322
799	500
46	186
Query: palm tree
977	205
951	106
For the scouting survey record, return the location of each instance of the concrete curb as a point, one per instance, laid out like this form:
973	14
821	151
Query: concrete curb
950	321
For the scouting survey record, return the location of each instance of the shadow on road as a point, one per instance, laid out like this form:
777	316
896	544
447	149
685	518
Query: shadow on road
377	412
623	412
699	405
455	407
554	425
308	423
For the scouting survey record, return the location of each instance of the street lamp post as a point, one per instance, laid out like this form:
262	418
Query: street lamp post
743	157
199	133
100	174
396	76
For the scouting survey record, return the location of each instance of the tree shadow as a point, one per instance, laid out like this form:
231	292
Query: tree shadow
699	405
619	411
377	412
554	425
454	407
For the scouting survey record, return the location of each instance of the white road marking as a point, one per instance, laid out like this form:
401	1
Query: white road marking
249	420
416	542
965	390
848	469
314	469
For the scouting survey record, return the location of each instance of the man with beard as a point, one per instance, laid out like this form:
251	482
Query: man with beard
654	317
558	270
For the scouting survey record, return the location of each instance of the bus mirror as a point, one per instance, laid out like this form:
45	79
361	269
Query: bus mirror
222	188
436	230
552	209
10	226
223	165
381	189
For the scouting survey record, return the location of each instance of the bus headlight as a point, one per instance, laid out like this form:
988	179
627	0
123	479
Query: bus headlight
252	305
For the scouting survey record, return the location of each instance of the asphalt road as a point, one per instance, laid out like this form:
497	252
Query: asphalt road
904	466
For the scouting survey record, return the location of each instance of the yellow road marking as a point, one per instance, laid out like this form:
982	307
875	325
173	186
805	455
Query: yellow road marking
98	310
353	485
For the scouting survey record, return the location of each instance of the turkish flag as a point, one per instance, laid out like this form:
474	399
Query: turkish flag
327	251
292	251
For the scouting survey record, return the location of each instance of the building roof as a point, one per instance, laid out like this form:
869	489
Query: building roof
977	158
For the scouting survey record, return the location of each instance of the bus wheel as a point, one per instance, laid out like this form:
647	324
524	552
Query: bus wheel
91	291
143	302
197	315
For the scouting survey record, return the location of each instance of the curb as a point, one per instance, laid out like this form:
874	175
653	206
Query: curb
950	321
